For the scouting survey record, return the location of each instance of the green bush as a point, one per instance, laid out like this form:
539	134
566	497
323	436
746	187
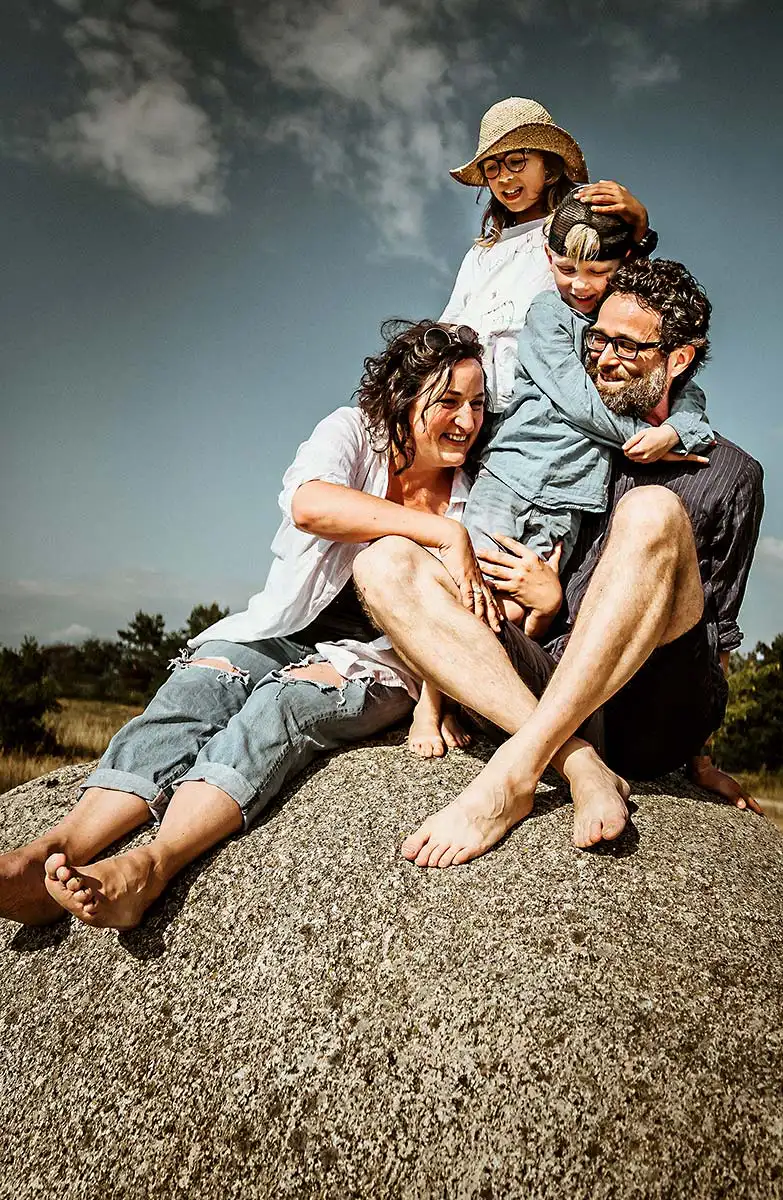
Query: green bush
27	693
751	738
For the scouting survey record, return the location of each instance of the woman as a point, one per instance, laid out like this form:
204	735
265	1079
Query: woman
302	670
529	164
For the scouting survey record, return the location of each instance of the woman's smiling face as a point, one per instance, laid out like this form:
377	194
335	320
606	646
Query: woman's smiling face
444	430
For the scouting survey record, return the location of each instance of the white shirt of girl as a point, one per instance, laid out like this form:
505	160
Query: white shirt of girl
308	572
492	293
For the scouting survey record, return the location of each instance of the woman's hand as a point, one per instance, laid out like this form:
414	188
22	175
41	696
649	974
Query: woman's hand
459	558
608	196
518	572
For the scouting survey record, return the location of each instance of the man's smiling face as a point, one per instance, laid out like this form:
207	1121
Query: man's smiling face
633	386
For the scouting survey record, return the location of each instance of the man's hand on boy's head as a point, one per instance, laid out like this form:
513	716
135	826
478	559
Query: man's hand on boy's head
608	196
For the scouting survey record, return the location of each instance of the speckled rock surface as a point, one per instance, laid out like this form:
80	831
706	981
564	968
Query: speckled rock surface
306	1015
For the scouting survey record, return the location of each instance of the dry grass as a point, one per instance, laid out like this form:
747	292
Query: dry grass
83	728
767	786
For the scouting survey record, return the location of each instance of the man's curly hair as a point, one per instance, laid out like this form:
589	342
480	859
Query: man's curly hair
393	379
668	290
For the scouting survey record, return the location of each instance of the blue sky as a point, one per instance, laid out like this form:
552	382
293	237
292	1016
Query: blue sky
209	208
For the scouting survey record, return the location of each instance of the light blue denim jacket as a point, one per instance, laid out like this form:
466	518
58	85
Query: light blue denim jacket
551	443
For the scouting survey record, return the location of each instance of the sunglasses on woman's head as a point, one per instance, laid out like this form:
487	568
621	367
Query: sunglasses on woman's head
438	337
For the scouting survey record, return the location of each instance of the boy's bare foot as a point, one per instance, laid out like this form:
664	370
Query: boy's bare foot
431	736
453	734
113	894
23	896
478	818
600	810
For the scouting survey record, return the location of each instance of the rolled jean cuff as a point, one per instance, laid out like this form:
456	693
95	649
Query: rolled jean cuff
228	779
126	781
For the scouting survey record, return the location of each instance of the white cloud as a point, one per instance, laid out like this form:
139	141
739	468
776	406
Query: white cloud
632	64
139	125
370	102
73	633
771	549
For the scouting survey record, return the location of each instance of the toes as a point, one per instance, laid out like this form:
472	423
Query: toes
53	864
73	884
436	854
448	858
464	855
613	829
422	859
413	844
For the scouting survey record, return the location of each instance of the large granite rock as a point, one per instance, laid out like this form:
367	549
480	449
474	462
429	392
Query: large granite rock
306	1015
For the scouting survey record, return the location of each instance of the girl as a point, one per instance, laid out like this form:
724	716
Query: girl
529	165
301	670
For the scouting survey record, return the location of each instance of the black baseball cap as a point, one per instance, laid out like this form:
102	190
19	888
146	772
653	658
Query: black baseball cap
615	234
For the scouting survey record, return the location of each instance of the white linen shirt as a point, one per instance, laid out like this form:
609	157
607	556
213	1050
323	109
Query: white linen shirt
308	572
492	293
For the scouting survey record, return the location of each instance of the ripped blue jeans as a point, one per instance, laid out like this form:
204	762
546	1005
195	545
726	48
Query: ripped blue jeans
247	727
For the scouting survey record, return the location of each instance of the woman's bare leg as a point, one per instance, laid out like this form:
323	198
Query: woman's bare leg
116	892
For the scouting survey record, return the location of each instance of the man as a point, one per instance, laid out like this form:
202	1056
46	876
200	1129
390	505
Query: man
651	600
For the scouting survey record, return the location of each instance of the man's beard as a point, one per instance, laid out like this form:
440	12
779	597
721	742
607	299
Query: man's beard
637	396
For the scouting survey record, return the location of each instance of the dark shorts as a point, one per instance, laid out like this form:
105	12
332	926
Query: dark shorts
660	719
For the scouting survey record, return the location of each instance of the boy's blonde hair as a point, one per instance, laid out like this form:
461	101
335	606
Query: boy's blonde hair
582	244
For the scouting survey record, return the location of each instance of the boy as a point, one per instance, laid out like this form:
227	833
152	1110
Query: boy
548	459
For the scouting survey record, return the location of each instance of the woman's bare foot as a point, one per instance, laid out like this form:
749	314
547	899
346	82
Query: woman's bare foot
478	818
113	894
23	896
600	810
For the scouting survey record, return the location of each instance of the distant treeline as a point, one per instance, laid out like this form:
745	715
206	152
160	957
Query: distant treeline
751	737
130	669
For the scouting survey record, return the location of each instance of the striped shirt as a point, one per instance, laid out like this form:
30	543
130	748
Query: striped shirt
724	501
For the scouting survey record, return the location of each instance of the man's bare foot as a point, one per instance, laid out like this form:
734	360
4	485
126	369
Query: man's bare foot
431	737
23	896
600	811
467	827
113	894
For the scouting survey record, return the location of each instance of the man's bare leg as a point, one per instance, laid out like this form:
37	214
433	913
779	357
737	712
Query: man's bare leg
116	892
413	598
646	592
100	817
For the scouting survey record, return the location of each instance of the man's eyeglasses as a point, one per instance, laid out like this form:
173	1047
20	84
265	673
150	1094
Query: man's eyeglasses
624	347
515	162
438	337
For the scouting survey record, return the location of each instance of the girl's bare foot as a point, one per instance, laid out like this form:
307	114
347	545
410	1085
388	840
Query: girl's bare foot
23	896
113	894
467	827
600	809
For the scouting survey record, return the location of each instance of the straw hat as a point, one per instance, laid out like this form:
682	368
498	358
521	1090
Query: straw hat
519	124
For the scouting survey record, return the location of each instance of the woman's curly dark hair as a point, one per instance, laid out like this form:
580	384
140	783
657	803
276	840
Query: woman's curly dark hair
393	379
668	290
